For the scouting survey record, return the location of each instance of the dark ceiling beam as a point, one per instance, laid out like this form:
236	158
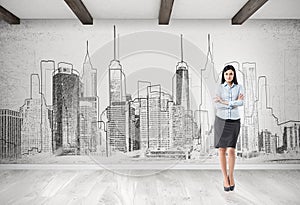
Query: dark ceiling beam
80	11
8	16
246	11
165	12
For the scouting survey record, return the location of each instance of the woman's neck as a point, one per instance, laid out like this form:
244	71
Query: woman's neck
229	83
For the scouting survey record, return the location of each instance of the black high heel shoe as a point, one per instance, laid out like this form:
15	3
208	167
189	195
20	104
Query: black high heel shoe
227	188
231	187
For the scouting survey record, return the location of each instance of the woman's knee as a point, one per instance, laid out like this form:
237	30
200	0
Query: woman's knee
231	151
222	150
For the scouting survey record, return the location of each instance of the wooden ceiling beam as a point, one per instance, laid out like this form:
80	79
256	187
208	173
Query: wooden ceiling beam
80	11
246	11
8	16
165	11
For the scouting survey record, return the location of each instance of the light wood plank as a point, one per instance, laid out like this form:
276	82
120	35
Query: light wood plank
133	187
59	181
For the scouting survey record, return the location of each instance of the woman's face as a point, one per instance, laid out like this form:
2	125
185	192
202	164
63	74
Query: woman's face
228	75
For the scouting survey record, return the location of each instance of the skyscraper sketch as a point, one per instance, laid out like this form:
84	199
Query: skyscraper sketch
291	139
66	109
132	140
182	83
36	128
143	112
165	123
182	117
183	126
88	138
154	116
10	141
117	89
116	125
62	113
249	140
89	76
144	123
88	124
267	142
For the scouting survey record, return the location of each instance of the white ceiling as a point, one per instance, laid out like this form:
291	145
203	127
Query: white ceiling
149	9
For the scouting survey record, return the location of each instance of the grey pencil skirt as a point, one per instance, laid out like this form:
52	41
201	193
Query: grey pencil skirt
226	132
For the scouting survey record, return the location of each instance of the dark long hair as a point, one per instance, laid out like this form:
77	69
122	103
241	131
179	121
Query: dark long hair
229	67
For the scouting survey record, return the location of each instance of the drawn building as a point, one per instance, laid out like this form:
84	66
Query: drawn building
117	124
88	108
66	109
131	140
10	134
144	124
273	144
183	126
291	137
116	127
264	141
88	124
182	86
89	77
154	120
165	142
166	107
182	95
116	82
136	140
250	130
36	134
184	130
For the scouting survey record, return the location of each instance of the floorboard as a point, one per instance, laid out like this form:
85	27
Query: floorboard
136	187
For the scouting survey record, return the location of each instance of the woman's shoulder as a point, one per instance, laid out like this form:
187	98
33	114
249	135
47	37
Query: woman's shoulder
239	86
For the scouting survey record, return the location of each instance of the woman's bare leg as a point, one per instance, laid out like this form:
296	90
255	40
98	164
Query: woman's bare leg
222	157
231	162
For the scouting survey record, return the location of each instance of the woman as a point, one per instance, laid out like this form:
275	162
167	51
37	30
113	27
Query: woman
229	96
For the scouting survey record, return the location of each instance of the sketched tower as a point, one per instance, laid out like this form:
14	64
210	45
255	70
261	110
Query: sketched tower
10	138
249	137
88	107
182	86
116	111
36	127
182	83
66	109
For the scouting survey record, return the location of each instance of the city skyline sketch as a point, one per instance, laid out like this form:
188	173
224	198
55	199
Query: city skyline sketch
146	108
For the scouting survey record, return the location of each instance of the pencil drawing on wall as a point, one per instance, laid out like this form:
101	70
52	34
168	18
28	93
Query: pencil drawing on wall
144	112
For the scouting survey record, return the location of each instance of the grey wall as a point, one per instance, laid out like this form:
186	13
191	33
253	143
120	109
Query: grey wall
274	45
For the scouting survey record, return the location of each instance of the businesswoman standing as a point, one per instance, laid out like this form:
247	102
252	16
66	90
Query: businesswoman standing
229	96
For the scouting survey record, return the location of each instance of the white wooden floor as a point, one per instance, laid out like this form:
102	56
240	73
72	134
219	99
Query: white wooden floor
166	187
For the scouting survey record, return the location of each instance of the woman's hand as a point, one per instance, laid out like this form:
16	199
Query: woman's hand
241	97
217	99
220	100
